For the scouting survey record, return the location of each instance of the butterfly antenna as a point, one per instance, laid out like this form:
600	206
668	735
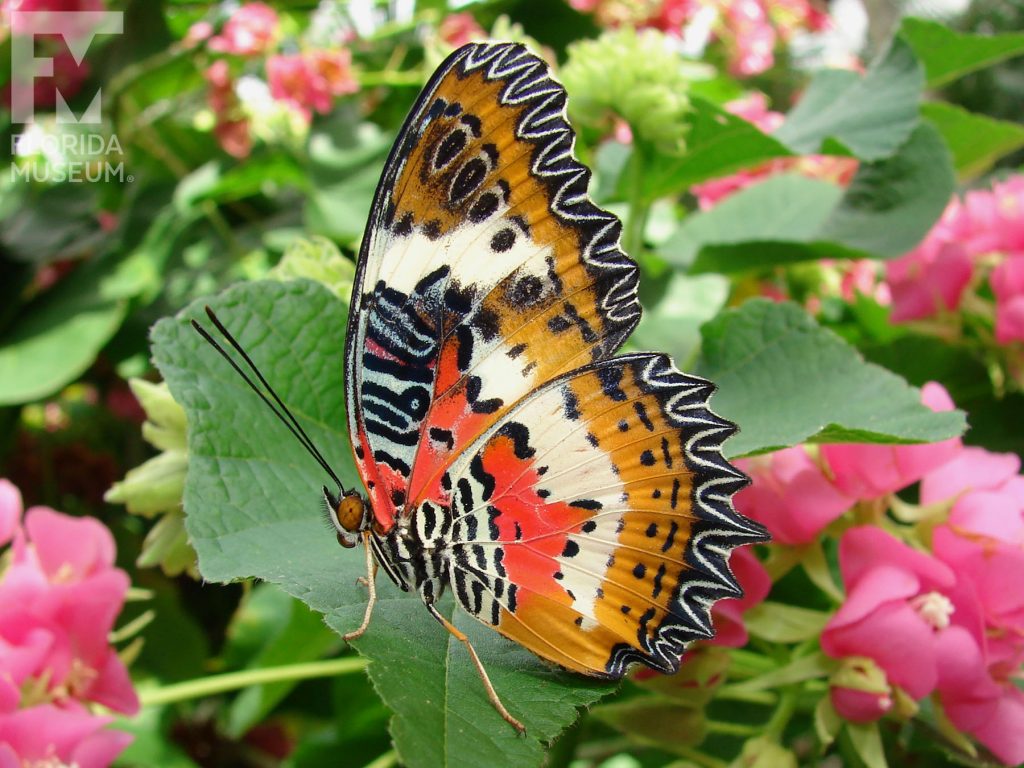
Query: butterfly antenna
284	415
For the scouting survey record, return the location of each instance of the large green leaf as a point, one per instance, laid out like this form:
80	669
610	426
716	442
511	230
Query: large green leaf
888	208
717	143
253	510
344	167
948	55
786	380
58	337
976	141
869	116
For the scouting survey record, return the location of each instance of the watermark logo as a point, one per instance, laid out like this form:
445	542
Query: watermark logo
76	152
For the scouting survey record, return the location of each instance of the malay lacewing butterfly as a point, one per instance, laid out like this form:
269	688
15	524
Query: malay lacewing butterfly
576	501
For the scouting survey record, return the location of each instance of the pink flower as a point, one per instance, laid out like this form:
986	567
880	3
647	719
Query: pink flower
250	31
987	707
971	469
60	595
307	82
231	127
788	16
334	68
929	279
1008	287
790	495
293	81
871	471
896	605
860	691
47	735
750	38
983	542
457	29
728	614
10	510
197	33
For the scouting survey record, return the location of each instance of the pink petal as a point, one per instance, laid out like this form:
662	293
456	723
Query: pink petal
100	749
9	695
877	587
791	496
113	687
859	706
10	510
928	280
896	639
47	730
993	514
865	547
1002	731
972	468
69	547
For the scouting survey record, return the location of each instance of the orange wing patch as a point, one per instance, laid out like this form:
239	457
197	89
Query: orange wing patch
593	525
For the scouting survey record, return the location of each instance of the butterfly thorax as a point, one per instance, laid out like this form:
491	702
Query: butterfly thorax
415	552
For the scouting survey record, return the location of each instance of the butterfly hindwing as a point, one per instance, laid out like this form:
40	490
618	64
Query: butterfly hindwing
485	272
593	523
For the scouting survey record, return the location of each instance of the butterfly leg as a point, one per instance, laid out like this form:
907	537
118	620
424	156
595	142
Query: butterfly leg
492	695
371	585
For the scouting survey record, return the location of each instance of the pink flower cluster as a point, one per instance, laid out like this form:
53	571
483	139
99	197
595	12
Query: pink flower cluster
59	597
748	29
948	622
754	109
985	228
68	75
307	81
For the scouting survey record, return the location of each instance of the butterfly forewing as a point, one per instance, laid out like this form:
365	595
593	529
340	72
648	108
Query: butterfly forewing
577	502
593	523
485	272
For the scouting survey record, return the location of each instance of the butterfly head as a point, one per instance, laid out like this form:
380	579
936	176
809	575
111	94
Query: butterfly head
349	514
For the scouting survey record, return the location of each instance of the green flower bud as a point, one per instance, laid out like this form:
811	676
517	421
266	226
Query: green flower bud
763	752
636	75
317	259
155	487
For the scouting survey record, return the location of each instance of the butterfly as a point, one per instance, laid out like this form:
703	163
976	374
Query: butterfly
575	500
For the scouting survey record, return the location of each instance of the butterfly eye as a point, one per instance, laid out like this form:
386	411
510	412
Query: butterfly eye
348	514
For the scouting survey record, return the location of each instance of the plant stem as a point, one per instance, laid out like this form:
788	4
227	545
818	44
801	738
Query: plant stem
384	761
373	79
782	714
230	681
731	729
639	208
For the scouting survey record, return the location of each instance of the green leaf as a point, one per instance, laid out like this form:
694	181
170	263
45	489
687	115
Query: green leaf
867	741
869	116
672	325
887	209
786	380
287	632
781	623
976	141
812	667
948	55
344	170
718	143
57	338
781	210
252	500
659	722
